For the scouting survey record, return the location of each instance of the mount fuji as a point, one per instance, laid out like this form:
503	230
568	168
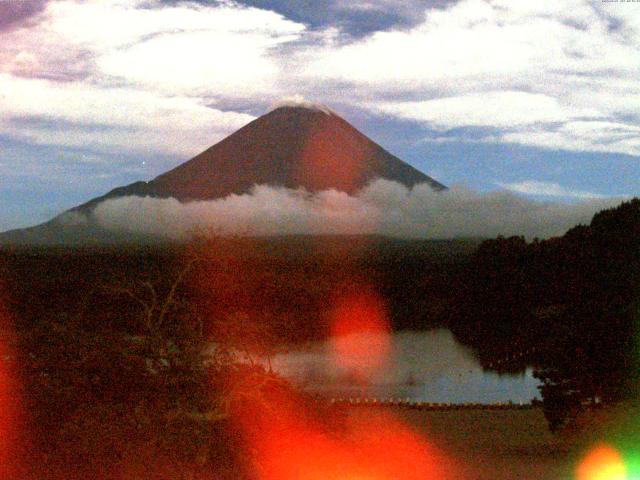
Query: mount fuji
293	146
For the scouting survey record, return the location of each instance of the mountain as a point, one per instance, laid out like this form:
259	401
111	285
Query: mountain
290	146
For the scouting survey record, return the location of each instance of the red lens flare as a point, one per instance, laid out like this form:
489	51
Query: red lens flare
290	441
324	165
9	401
360	333
602	463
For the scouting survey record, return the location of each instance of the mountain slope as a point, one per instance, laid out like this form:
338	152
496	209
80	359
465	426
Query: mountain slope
291	147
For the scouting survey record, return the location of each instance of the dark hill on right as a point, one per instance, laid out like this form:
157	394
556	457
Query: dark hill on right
567	306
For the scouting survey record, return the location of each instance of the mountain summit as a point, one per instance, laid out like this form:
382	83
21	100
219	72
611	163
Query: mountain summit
290	146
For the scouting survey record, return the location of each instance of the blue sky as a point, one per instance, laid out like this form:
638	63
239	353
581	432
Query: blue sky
540	98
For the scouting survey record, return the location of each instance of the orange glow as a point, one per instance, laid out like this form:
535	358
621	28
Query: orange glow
360	333
602	463
286	436
323	165
291	442
9	405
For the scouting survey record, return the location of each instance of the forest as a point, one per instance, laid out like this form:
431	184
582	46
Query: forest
567	305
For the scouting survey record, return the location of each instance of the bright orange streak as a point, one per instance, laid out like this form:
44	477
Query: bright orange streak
360	333
291	443
602	463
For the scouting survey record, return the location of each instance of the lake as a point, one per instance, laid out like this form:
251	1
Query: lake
426	366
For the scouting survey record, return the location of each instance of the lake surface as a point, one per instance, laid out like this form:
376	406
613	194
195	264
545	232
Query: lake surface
421	366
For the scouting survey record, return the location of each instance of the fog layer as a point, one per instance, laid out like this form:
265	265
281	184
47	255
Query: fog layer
383	207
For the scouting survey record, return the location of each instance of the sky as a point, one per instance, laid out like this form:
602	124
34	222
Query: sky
537	98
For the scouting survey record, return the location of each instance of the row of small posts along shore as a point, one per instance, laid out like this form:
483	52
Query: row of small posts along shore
418	405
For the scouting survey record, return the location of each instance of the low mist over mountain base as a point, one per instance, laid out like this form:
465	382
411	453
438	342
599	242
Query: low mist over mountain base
381	208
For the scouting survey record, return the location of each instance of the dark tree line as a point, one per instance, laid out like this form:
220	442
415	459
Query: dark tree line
568	305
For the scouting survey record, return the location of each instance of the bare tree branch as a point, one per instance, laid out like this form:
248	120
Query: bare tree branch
170	297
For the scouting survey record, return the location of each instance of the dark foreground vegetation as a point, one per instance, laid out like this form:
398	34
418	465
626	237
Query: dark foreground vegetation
128	363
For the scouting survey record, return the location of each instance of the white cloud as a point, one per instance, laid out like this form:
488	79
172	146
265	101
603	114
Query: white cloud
83	103
593	136
546	74
506	65
485	40
500	109
178	48
548	189
145	74
383	207
94	22
576	136
195	60
110	118
468	39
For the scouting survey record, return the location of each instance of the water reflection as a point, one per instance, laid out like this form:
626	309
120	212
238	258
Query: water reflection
423	366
